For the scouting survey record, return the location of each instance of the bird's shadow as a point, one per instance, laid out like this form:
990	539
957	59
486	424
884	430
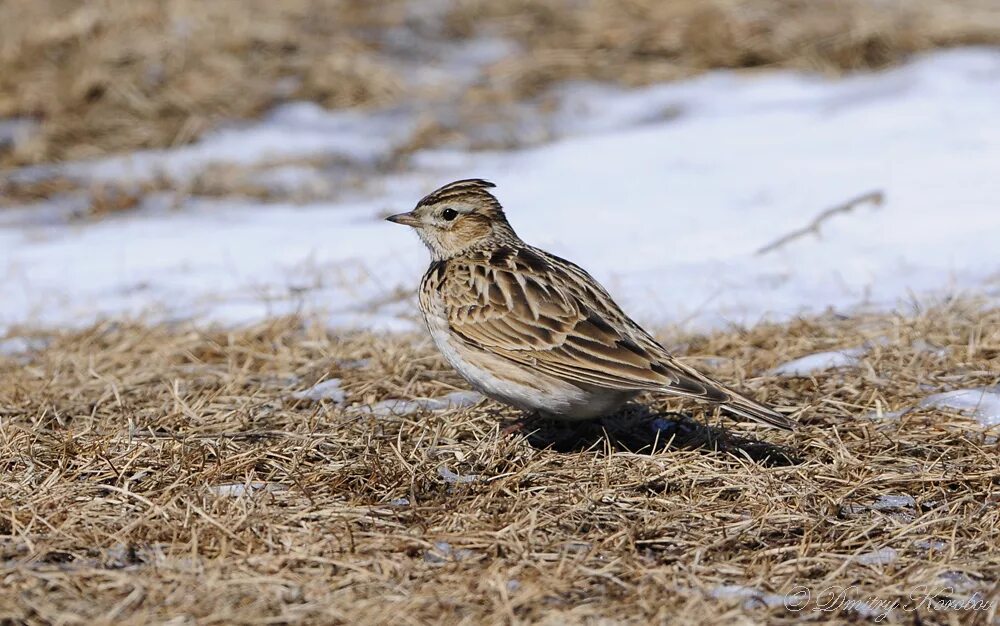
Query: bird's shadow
638	429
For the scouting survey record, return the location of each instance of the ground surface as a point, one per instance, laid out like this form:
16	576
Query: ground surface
220	171
183	475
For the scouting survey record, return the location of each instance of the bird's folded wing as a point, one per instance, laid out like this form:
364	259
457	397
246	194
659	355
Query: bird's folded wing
550	316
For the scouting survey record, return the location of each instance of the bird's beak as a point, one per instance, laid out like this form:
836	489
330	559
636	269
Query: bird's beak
406	219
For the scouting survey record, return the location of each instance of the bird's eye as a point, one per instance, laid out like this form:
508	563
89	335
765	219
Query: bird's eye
449	214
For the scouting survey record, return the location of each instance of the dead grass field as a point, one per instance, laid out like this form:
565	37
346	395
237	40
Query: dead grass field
116	439
124	447
107	76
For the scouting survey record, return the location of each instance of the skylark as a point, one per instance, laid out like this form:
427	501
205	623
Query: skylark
530	329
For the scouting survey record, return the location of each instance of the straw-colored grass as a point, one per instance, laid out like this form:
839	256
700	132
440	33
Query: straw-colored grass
639	42
115	440
107	76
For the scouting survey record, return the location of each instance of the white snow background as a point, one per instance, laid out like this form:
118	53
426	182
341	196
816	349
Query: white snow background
663	193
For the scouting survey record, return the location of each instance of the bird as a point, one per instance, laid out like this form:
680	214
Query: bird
535	331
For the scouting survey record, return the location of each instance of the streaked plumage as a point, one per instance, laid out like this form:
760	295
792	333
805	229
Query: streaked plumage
533	330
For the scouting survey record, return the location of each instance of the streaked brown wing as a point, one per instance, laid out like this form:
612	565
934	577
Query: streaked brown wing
550	315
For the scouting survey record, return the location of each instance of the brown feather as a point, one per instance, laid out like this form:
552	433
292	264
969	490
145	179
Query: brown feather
542	313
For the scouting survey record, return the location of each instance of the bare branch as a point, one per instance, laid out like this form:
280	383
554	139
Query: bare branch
876	198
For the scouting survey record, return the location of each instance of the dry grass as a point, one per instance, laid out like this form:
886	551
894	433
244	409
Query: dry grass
644	41
105	76
113	437
113	75
96	199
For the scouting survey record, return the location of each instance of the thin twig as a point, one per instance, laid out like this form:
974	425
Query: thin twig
874	197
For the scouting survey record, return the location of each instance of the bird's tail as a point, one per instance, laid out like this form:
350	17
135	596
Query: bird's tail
745	407
730	401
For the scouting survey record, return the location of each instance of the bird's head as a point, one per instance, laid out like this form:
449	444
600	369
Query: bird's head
457	217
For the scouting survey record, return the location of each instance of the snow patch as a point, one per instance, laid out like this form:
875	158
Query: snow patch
983	404
896	506
398	407
326	390
887	503
238	490
753	597
20	346
297	130
931	545
460	479
882	556
923	346
799	600
15	131
681	184
444	552
819	362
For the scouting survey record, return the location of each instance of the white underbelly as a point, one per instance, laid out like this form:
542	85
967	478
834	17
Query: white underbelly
522	387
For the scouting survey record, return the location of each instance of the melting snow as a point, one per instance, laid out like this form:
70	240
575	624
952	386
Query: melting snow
882	556
982	404
236	490
17	346
326	390
755	597
451	477
16	130
887	503
331	390
443	552
821	361
395	407
297	130
931	544
663	193
899	506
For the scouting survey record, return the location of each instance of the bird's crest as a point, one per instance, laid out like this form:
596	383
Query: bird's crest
465	189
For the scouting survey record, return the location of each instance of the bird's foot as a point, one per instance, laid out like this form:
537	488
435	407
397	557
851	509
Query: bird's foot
519	425
511	429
